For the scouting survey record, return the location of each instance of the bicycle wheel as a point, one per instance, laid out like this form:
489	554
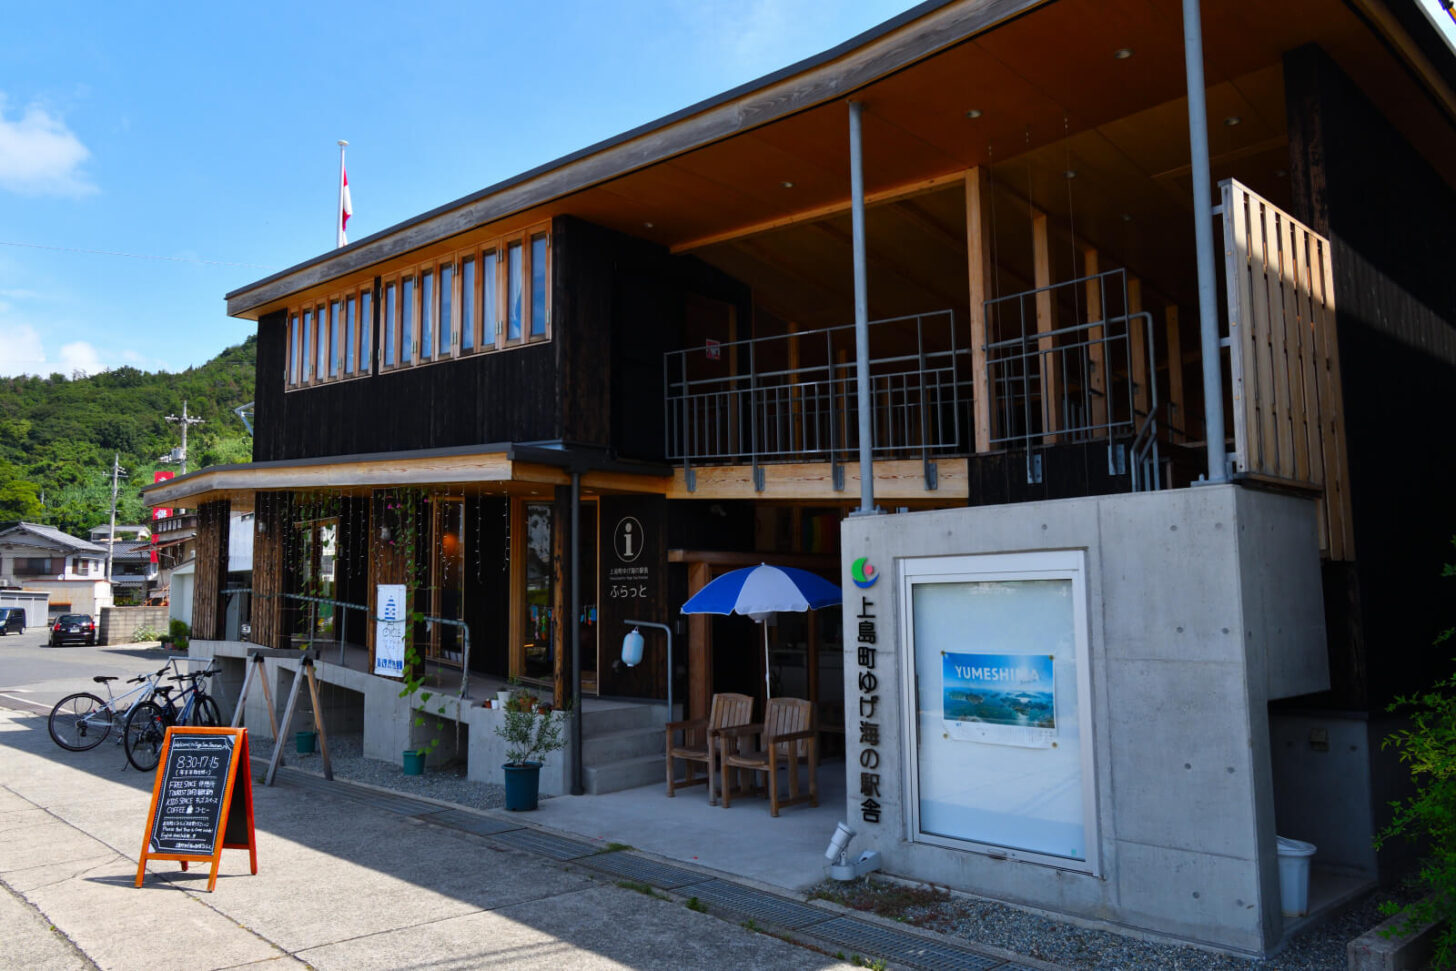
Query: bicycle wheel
79	722
146	729
205	713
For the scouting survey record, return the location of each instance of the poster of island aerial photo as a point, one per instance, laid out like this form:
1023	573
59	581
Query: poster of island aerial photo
1004	699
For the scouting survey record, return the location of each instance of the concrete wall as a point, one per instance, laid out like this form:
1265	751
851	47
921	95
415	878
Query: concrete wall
354	701
118	624
1203	604
84	596
1322	786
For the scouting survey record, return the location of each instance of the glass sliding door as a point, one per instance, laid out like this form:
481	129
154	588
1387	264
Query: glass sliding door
447	579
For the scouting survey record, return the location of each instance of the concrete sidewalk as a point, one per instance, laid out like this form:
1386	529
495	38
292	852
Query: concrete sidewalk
342	883
353	877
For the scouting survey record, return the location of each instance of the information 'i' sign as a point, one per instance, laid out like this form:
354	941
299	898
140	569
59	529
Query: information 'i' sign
202	800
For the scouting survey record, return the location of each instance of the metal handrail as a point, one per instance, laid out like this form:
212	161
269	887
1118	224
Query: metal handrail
464	627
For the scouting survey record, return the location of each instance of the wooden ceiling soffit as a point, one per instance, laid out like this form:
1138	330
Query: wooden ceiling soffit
899	479
838	74
893	194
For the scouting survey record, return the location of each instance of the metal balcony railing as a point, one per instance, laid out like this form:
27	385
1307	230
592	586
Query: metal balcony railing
791	397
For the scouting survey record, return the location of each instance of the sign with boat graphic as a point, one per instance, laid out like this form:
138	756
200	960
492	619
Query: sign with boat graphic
1003	699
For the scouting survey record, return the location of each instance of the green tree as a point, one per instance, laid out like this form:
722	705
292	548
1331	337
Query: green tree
19	498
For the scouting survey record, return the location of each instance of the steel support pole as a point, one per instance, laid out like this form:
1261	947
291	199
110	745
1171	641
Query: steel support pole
861	317
573	629
1203	228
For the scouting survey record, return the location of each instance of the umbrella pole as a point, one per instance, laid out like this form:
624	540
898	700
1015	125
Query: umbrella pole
767	686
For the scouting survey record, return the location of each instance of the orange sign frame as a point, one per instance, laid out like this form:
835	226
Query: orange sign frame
238	788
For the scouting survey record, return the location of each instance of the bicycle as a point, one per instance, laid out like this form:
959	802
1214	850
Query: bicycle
147	722
79	722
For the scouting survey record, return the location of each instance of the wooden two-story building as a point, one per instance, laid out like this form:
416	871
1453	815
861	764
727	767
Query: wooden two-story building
568	400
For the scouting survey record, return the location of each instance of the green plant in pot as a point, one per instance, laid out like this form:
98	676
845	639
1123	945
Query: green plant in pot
529	736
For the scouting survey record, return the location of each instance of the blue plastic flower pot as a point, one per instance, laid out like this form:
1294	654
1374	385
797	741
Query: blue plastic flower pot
305	742
414	762
523	783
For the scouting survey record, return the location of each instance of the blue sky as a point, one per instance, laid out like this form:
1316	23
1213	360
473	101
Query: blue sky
199	139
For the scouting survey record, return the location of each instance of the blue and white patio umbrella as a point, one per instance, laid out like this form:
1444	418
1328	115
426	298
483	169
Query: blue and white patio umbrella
761	591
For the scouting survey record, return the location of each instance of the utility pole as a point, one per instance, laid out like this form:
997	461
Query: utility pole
184	421
116	472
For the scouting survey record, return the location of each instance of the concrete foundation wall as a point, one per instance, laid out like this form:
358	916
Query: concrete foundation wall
1202	604
354	701
118	624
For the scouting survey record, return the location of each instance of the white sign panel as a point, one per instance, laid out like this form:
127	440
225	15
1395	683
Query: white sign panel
389	630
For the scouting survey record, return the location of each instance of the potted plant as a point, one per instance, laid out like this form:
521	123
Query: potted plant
529	738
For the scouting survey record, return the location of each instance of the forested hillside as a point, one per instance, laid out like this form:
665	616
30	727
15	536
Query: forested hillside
58	435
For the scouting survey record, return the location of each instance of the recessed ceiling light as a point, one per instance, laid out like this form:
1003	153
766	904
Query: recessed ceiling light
974	113
1122	53
1232	120
1070	173
647	225
1127	217
787	184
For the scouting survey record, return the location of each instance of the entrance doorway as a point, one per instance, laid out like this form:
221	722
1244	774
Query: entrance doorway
447	578
540	593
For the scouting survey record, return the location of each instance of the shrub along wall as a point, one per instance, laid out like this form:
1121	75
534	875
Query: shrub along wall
119	623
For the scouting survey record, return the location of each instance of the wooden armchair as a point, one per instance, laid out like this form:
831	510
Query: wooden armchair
786	738
700	741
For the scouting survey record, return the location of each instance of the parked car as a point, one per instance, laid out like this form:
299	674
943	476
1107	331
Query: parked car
12	620
73	627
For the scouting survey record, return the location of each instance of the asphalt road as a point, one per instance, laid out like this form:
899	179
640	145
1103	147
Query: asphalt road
33	676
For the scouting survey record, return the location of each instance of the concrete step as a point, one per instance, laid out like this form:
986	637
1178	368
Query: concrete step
626	774
620	717
606	747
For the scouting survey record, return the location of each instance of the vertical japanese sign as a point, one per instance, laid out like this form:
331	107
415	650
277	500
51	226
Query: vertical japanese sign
869	726
393	613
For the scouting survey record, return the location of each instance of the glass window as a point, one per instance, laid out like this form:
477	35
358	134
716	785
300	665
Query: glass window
307	374
540	656
321	327
351	335
407	321
467	305
1007	701
427	315
489	309
336	342
538	286
514	295
447	284
391	339
366	331
293	349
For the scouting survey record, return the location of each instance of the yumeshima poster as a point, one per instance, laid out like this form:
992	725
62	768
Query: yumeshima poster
1004	699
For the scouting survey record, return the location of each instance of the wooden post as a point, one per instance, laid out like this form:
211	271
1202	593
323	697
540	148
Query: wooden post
978	257
1137	350
1177	420
700	647
1051	392
1096	352
562	626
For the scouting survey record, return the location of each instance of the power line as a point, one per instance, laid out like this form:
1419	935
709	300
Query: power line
133	256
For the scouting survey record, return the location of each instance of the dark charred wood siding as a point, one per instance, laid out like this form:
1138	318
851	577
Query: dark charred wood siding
1391	221
209	608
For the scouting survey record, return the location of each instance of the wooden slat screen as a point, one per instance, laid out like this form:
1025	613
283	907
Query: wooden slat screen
208	604
1288	411
271	524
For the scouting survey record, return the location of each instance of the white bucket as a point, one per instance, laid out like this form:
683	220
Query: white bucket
1294	858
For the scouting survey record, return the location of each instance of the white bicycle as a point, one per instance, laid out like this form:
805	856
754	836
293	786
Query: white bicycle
82	721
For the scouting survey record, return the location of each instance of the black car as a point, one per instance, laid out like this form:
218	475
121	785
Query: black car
12	620
73	627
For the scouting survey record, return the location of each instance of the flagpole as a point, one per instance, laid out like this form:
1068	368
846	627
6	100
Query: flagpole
339	212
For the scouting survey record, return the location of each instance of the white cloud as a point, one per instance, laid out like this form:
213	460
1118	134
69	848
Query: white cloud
20	350
80	356
39	155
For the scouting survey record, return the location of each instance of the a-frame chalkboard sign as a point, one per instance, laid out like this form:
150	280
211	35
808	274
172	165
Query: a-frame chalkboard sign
202	800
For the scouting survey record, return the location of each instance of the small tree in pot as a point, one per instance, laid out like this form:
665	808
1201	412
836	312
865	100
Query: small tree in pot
529	738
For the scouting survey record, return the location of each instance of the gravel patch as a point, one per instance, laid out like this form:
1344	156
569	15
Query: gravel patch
445	782
1318	948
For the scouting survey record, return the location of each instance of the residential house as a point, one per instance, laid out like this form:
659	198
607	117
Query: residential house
1203	424
42	558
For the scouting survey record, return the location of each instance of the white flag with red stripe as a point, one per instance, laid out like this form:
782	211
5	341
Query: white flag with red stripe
346	203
